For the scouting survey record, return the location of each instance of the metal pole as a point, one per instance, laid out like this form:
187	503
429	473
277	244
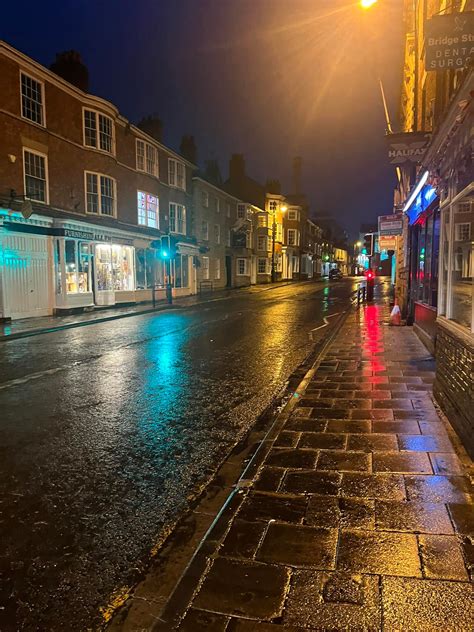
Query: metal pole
273	248
169	289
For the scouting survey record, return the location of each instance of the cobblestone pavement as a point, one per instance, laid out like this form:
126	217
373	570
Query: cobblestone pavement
360	517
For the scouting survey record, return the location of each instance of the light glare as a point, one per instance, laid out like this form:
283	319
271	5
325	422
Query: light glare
366	4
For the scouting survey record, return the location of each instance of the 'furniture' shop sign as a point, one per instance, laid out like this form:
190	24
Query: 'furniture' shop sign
449	41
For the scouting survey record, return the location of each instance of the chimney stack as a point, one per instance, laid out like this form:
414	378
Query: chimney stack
297	163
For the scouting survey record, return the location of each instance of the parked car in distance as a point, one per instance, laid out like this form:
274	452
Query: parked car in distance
335	274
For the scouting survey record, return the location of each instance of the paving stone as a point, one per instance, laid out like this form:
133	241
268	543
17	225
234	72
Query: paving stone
324	440
354	513
269	479
445	463
433	428
396	427
425	443
243	539
321	483
248	589
426	605
273	507
462	517
287	439
372	442
377	486
342	461
333	413
401	462
302	459
295	545
383	553
442	557
334	601
438	489
398	404
316	403
348	426
468	550
200	621
412	516
301	424
377	415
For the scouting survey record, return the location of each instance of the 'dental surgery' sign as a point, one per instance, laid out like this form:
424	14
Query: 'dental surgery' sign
449	41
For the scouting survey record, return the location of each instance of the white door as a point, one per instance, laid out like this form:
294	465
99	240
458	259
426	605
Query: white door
26	275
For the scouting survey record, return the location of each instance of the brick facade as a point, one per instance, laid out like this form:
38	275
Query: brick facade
454	385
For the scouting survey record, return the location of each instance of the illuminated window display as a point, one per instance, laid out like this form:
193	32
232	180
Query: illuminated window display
114	267
77	260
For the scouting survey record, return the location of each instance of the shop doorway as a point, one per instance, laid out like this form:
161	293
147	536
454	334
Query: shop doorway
228	271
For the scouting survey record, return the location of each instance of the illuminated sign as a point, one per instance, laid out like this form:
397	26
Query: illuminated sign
387	242
449	41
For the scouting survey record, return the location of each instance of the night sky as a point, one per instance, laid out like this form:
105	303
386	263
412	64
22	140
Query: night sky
267	78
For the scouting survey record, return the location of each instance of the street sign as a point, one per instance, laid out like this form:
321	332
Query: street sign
449	41
391	224
387	242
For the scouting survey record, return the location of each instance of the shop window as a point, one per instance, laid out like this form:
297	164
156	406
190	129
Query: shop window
77	262
144	268
114	267
57	267
457	264
181	267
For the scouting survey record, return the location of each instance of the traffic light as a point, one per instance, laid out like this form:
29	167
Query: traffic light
165	249
368	247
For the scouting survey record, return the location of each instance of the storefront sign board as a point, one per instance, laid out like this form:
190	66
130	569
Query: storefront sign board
449	41
391	224
407	147
387	242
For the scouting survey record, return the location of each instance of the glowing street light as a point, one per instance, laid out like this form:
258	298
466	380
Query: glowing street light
366	4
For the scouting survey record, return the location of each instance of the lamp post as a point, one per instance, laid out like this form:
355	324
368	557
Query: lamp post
274	227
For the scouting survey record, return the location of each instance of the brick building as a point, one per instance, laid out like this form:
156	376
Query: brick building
435	276
83	195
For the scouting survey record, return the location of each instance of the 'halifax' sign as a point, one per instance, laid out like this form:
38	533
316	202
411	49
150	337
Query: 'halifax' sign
449	41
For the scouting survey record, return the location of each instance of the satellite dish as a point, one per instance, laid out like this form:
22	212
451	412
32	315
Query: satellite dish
26	209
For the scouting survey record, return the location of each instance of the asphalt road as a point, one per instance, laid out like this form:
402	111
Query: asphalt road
106	430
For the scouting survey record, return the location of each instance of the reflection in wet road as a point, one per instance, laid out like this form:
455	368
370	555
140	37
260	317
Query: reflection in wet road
106	430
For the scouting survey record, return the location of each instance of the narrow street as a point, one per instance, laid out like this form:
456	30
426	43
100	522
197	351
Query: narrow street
108	429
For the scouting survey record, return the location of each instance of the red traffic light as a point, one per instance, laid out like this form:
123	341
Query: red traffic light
369	274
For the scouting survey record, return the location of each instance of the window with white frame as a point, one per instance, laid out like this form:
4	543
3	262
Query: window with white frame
217	269
98	131
462	232
32	99
218	205
148	209
279	233
241	211
176	174
147	158
262	266
292	214
262	242
36	175
177	218
293	237
262	220
227	208
100	194
242	267
205	198
217	233
295	264
204	230
205	268
229	238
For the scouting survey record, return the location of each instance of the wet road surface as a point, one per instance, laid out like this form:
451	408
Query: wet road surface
107	430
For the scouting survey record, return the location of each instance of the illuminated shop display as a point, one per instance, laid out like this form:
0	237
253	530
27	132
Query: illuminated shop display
114	267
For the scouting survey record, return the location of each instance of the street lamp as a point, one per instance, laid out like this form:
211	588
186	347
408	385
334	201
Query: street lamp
283	209
366	4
